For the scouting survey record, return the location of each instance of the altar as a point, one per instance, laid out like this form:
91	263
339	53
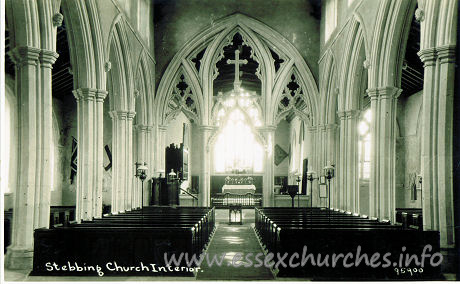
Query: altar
239	188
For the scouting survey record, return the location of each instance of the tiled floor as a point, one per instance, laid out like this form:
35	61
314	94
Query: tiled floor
227	242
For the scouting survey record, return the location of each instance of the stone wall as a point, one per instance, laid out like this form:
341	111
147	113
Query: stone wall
178	21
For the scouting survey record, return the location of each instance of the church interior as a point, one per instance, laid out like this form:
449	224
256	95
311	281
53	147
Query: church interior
136	131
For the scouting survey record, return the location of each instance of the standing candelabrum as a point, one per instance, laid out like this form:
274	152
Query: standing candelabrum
298	180
311	177
329	174
141	173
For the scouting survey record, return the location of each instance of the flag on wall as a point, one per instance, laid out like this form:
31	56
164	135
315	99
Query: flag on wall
109	157
73	160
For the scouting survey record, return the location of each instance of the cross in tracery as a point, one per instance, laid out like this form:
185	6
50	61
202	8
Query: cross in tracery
237	62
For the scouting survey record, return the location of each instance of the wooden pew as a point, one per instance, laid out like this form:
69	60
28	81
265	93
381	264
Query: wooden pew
61	215
127	239
410	217
320	231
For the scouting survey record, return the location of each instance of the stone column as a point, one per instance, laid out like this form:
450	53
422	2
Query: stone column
31	205
330	146
342	165
311	154
118	159
437	119
44	126
382	182
205	176
89	153
161	148
129	166
141	131
150	150
352	164
99	150
269	168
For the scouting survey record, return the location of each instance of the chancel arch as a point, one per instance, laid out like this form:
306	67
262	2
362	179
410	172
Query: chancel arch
272	63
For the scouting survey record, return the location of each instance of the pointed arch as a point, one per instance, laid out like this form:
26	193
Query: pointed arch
87	52
278	111
390	40
329	90
183	75
351	69
260	37
144	88
121	73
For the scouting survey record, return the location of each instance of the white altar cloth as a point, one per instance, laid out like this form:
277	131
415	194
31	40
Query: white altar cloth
239	188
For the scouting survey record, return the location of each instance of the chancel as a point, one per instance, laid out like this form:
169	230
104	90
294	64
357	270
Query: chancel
287	140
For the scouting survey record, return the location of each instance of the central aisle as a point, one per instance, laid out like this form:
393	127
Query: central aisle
230	240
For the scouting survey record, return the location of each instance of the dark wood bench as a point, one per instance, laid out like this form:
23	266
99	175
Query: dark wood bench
410	218
61	215
127	239
323	232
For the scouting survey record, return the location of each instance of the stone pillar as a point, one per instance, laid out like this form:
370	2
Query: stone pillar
89	154
204	198
330	146
382	182
437	119
150	150
32	198
99	151
269	168
311	154
161	148
352	181
129	166
44	126
342	165
142	156
119	122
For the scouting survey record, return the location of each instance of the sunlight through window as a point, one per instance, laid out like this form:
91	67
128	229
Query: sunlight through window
364	145
236	148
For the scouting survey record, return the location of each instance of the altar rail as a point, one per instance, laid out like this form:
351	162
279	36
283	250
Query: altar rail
248	200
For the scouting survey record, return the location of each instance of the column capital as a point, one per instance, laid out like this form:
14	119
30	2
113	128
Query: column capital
48	57
89	94
331	126
23	55
341	114
322	127
120	114
268	128
428	56
446	53
101	95
142	127
206	127
84	94
312	128
387	92
352	113
162	128
130	114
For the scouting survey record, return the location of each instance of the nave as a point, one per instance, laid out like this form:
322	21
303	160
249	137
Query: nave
116	108
131	246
